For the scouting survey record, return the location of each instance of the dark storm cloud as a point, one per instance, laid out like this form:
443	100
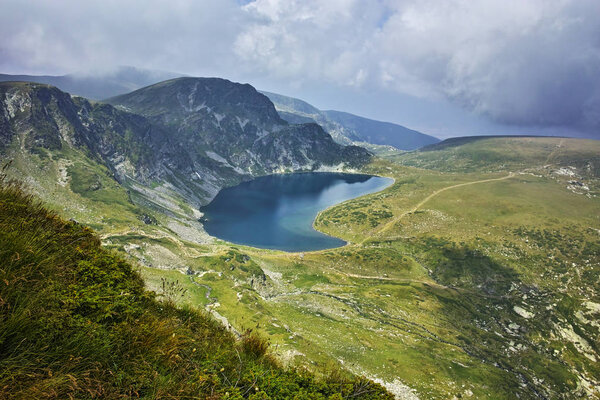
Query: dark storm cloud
520	62
529	63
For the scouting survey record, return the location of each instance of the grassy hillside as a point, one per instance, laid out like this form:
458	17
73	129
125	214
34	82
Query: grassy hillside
481	154
77	322
455	283
474	276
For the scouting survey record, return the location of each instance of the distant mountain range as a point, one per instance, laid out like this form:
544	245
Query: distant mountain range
349	128
98	86
345	128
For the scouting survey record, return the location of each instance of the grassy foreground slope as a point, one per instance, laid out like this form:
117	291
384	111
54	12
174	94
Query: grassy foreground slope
77	322
459	281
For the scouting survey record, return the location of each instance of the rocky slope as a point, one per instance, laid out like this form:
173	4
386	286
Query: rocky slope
347	128
236	126
41	117
186	137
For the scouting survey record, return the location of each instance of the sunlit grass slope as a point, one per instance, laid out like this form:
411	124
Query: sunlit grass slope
77	322
488	154
458	280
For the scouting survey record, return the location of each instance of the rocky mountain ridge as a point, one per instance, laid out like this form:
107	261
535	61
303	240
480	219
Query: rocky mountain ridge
186	137
345	128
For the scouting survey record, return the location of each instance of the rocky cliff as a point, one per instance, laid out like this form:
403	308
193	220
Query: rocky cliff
188	136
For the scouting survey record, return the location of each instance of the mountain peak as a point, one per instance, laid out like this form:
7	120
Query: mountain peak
45	115
195	135
201	96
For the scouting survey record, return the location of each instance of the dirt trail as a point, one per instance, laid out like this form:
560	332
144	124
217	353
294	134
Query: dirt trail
553	152
386	278
393	222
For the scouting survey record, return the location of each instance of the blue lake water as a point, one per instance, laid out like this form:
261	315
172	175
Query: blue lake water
278	211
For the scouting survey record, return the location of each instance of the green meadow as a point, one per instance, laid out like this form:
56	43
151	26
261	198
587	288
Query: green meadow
475	275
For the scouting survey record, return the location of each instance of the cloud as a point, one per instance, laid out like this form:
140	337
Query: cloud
307	40
534	63
66	35
528	63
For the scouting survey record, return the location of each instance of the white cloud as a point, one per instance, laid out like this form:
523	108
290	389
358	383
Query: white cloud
522	62
66	35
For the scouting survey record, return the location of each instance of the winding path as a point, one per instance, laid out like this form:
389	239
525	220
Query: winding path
393	222
553	152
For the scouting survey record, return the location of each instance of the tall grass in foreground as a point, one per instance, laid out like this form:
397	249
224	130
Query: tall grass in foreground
76	322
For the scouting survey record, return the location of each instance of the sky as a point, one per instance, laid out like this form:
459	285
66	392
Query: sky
444	67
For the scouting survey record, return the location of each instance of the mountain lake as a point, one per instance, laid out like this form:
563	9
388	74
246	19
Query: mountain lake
278	211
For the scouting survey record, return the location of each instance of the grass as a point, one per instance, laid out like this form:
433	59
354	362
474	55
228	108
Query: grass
427	304
70	182
490	154
438	289
77	322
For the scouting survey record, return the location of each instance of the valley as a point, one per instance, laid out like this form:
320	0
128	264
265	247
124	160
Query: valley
300	200
475	275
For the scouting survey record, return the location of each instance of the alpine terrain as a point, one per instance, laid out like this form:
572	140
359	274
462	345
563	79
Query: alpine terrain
474	275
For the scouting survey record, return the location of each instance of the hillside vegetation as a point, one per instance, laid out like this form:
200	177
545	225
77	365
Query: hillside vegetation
475	275
490	154
76	322
469	282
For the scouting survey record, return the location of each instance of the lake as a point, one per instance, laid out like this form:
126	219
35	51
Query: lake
278	211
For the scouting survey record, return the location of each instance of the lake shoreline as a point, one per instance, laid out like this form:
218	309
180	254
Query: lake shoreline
278	212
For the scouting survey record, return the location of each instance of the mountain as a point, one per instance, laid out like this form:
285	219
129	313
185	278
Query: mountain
383	133
348	128
233	128
98	86
188	137
345	128
473	276
41	116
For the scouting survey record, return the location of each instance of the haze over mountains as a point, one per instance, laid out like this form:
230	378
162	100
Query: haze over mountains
348	128
98	86
446	69
345	128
